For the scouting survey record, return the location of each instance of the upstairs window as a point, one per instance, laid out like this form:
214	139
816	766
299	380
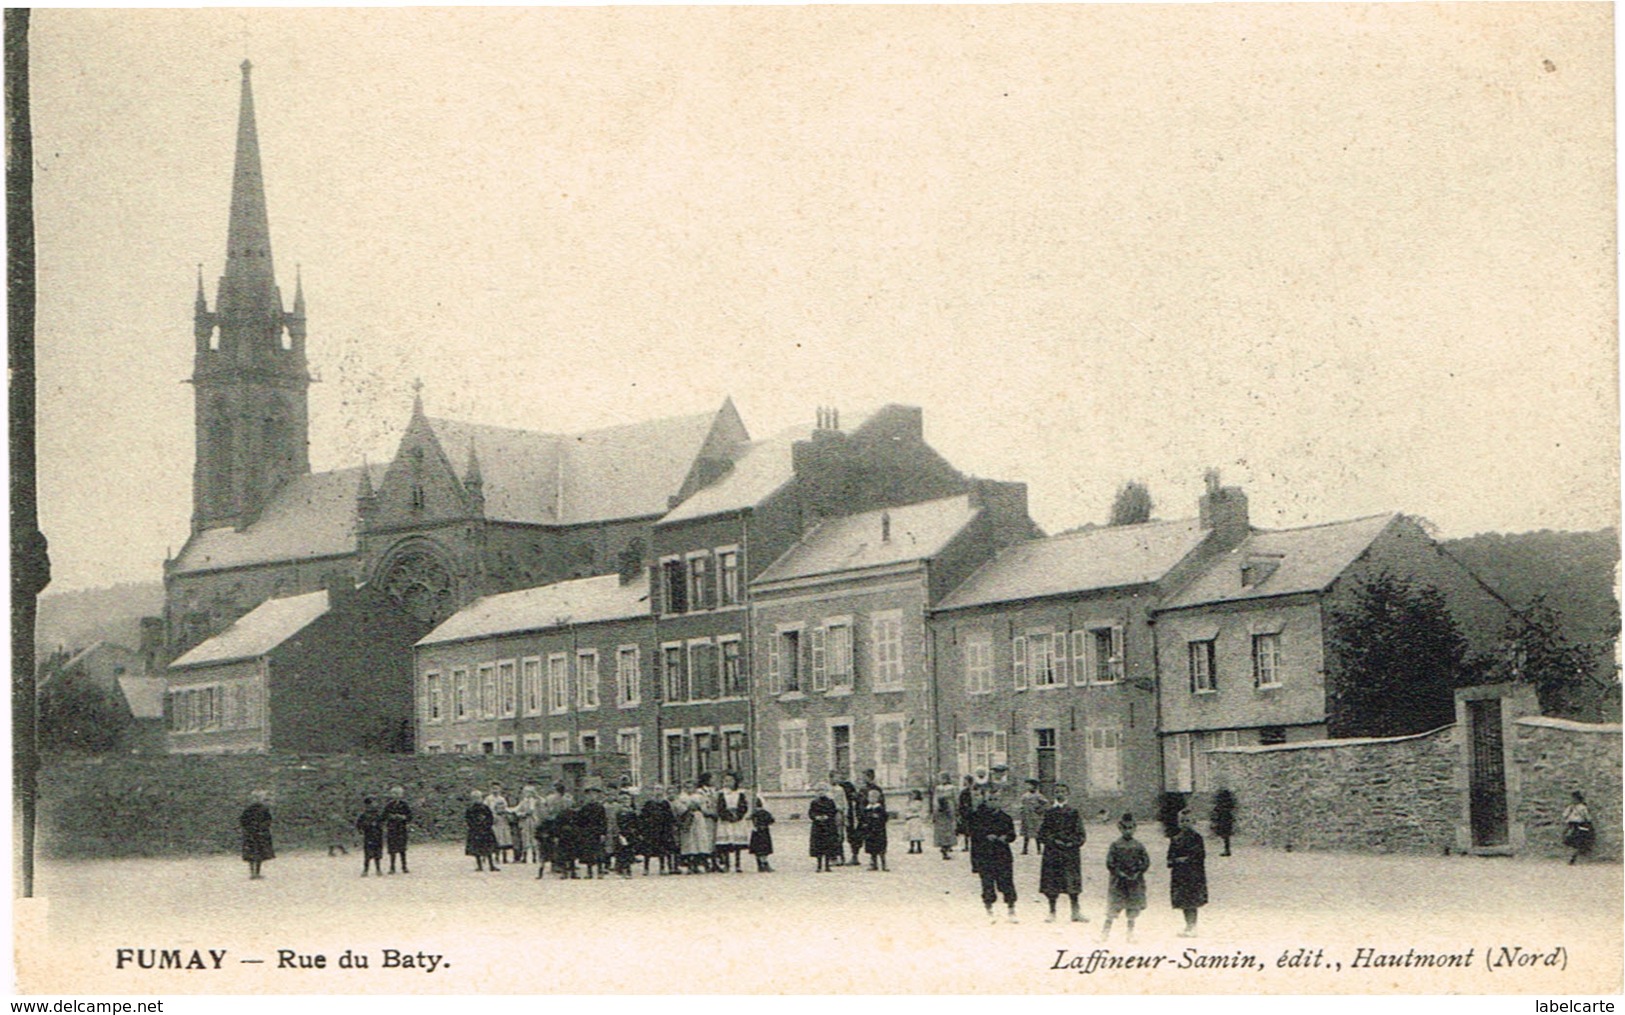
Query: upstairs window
1204	677
587	677
728	577
628	668
978	664
671	671
700	590
838	655
734	683
674	586
887	633
1266	660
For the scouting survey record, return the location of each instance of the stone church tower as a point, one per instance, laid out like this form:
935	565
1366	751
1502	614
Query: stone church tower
250	379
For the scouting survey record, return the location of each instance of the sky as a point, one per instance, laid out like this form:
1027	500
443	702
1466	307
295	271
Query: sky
1358	258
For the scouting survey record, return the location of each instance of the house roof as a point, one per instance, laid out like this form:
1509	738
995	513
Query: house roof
765	467
144	696
1305	560
1113	556
258	631
580	601
627	471
311	516
853	543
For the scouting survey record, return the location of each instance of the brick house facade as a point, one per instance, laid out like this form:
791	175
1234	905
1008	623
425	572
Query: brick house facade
564	669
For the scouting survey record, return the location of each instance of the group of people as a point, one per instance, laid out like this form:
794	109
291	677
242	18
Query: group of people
692	829
846	816
1058	829
381	827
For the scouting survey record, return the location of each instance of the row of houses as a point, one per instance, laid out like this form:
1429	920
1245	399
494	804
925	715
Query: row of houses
925	637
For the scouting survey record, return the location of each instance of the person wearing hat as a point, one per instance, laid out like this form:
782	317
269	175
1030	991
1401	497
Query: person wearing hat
1126	864
397	822
991	833
255	822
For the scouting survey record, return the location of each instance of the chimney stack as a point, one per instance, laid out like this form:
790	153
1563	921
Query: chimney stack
1223	509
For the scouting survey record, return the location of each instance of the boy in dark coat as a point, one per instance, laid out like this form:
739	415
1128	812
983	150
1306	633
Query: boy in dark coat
761	836
991	833
1126	864
397	823
371	826
824	837
592	824
1060	835
1187	872
481	843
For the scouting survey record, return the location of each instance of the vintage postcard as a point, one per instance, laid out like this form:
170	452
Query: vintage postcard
1099	499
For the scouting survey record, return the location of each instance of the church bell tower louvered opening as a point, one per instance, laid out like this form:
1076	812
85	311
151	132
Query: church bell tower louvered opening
250	377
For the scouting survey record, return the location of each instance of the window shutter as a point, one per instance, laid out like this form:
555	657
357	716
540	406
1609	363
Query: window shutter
1001	748
1018	660
962	749
820	676
773	663
1058	656
1080	657
1119	661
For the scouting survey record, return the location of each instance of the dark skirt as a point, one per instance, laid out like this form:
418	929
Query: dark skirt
761	842
1580	836
1059	872
256	825
874	839
825	840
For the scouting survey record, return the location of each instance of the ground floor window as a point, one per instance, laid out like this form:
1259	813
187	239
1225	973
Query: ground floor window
793	756
736	753
891	758
629	743
1105	761
533	743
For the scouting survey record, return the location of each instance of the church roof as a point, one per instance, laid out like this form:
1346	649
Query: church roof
1309	559
580	601
852	543
312	516
627	471
258	631
1113	556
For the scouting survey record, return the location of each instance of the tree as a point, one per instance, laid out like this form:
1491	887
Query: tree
1395	659
1540	654
77	715
1132	505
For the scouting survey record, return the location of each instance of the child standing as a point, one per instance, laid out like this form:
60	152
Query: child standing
481	843
1126	864
874	829
761	836
1187	872
824	841
915	813
1033	805
371	826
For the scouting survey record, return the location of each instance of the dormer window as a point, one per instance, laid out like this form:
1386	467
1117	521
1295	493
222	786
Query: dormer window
1257	569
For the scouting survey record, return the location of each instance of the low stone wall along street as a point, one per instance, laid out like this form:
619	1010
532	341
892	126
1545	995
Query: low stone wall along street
1555	757
189	804
1378	795
1409	794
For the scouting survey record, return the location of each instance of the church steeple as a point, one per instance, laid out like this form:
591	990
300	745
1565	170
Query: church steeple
250	377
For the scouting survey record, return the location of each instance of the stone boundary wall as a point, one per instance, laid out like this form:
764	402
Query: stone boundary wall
1371	795
1554	758
189	804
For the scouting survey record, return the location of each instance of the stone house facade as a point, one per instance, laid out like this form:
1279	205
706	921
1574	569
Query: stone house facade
1243	653
840	643
1045	659
322	672
563	669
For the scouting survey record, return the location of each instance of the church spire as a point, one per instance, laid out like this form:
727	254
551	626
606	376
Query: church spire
249	285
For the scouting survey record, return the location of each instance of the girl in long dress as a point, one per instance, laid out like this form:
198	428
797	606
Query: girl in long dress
873	822
915	828
1579	834
481	843
761	836
944	824
255	822
705	825
525	846
733	822
824	841
498	802
690	827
